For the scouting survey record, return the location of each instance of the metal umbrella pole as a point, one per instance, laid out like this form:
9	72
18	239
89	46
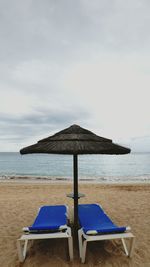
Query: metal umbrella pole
75	172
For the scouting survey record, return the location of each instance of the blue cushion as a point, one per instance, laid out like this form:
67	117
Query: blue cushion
92	217
50	218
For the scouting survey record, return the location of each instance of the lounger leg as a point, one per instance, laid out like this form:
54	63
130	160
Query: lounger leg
84	251
125	246
22	250
131	247
70	245
80	242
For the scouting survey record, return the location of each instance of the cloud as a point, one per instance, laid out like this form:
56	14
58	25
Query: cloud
66	61
23	129
61	30
141	143
116	91
121	25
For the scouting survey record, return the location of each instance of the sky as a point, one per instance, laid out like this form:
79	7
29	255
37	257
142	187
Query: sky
65	62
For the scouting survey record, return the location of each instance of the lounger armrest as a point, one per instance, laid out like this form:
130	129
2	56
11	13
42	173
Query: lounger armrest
92	232
25	229
128	229
63	227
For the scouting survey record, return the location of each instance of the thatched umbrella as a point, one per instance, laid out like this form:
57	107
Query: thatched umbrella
75	140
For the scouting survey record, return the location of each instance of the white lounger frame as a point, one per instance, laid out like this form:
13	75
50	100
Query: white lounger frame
84	238
22	242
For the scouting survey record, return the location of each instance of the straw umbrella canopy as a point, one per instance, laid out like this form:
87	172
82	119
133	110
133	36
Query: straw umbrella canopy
75	141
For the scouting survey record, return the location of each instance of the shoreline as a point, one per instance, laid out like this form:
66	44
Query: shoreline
142	179
69	182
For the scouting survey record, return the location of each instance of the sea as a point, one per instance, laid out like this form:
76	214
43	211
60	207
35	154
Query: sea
134	167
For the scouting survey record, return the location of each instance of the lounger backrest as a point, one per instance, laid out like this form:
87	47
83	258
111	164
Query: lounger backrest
50	218
93	218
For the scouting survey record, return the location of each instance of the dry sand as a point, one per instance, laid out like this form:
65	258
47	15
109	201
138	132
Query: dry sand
126	204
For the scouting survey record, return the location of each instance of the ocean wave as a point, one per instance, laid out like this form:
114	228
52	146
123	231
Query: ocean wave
100	179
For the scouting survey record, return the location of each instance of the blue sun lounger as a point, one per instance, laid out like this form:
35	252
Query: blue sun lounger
96	225
51	222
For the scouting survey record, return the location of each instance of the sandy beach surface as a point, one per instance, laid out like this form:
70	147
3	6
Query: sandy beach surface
126	205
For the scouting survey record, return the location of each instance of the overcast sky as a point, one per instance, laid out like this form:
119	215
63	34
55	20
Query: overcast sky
65	62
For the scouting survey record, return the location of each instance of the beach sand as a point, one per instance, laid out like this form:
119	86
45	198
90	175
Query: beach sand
126	205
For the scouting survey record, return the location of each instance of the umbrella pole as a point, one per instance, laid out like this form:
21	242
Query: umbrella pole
75	170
